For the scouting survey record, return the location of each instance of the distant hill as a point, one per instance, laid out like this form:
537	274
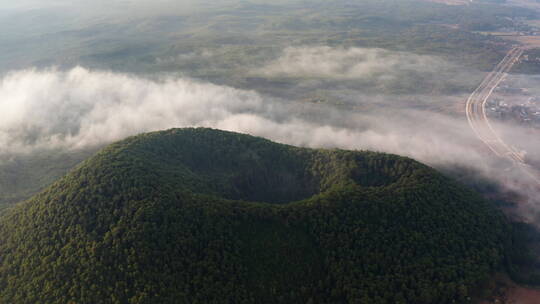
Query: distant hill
207	216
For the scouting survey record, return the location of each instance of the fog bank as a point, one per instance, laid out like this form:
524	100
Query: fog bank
81	108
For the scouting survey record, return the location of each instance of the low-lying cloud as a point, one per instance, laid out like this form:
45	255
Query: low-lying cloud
81	108
372	69
354	63
347	63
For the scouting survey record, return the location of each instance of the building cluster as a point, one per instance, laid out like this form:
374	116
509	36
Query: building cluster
515	105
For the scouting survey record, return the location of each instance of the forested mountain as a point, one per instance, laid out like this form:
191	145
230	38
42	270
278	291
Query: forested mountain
207	216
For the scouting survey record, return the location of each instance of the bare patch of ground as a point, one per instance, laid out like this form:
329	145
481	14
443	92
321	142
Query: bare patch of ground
522	295
507	292
527	41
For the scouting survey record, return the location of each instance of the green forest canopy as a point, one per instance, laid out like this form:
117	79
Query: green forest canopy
207	216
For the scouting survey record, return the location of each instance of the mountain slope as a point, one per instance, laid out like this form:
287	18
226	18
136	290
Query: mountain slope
207	216
22	176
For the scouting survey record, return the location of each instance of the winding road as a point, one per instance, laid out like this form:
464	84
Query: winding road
479	122
476	108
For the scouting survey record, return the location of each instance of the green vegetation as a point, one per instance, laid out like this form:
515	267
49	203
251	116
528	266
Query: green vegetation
226	42
525	263
237	35
207	216
22	176
405	25
225	46
529	62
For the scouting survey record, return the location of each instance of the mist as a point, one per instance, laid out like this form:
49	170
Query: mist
384	76
348	63
81	108
309	95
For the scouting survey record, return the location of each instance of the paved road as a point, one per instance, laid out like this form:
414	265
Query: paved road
476	108
476	113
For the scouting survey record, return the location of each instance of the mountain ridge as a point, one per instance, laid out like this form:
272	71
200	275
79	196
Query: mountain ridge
208	216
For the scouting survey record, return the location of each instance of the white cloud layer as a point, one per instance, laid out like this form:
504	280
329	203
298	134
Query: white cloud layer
353	63
347	63
81	108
